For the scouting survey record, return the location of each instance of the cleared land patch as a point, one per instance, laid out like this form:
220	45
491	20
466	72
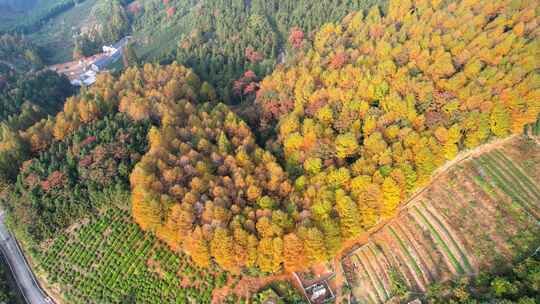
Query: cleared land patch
482	211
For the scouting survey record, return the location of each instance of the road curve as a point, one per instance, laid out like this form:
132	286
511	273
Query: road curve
26	281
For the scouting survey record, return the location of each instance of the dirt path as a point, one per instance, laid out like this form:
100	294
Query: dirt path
247	286
339	279
437	174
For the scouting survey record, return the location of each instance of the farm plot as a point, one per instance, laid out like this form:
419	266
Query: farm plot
481	212
111	260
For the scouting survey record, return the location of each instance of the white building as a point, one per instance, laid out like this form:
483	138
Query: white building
109	49
87	78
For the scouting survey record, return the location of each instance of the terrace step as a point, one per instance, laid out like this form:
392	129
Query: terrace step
405	255
484	214
391	261
450	234
375	290
443	245
435	259
413	248
497	180
366	285
518	173
375	274
505	173
421	250
381	265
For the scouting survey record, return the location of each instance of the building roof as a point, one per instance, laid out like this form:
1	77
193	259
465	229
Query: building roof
102	62
121	43
90	80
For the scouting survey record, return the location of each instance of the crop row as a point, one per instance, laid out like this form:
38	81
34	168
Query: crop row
422	246
108	261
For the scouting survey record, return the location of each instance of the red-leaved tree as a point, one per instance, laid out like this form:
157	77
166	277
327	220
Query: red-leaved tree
296	37
252	55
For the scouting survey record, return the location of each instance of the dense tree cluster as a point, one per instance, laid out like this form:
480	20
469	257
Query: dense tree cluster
16	146
27	98
380	101
59	183
108	23
150	91
216	190
203	180
24	100
64	182
206	188
18	53
8	290
519	284
222	39
356	122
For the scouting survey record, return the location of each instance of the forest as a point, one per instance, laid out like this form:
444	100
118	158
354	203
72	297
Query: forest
261	143
107	23
17	52
28	98
354	124
362	119
519	284
244	35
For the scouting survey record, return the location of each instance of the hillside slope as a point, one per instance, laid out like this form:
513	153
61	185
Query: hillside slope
481	213
220	40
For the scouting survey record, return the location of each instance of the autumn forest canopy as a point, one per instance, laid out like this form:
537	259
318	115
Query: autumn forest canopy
346	129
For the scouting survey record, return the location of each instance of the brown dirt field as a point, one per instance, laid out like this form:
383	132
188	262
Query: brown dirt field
417	242
524	189
391	260
379	269
339	281
403	259
448	263
472	223
532	160
371	287
247	286
466	226
441	271
449	235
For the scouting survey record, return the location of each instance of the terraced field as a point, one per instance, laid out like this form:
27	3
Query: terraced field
483	211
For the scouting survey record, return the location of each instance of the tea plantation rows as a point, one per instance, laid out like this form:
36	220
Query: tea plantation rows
110	260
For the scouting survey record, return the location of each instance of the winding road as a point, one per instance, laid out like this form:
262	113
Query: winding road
22	273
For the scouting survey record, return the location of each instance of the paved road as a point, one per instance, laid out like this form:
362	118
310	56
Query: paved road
19	267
